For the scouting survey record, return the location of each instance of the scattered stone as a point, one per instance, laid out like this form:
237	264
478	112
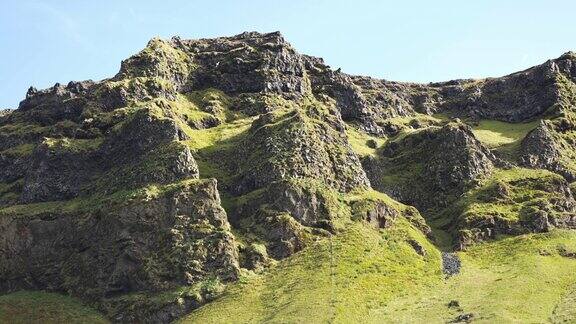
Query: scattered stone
417	247
454	304
450	264
463	318
564	252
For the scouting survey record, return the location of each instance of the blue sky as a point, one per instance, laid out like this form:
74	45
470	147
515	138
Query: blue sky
43	42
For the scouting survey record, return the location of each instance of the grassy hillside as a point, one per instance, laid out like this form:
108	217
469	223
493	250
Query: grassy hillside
342	279
41	307
376	277
523	279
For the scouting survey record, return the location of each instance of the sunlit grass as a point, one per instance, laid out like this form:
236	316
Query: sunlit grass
335	280
515	280
493	133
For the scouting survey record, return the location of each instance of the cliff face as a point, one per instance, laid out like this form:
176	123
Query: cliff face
110	189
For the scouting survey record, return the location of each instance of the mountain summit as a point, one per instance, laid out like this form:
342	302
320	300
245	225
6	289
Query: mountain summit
238	175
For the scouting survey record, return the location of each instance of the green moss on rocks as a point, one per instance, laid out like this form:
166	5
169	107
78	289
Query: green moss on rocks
73	145
430	167
512	201
22	150
299	143
362	143
567	93
382	211
162	306
158	59
97	201
497	134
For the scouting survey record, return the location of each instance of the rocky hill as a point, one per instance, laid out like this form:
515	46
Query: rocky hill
238	175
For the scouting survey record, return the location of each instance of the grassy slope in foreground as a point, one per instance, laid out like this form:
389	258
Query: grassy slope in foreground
337	280
521	279
41	307
377	278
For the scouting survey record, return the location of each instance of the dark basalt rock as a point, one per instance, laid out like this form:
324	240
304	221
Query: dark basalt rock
308	206
540	149
361	100
376	213
56	103
246	63
254	257
147	245
285	214
431	167
145	150
418	248
295	146
56	174
13	166
517	97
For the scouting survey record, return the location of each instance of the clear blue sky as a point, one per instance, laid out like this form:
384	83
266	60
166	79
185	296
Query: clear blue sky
43	42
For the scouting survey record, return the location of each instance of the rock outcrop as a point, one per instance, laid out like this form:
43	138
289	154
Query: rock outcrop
550	149
431	167
513	202
300	144
97	249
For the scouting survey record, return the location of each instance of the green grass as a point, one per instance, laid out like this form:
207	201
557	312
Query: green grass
425	120
205	138
494	134
565	312
42	307
212	147
73	145
360	142
334	280
23	129
513	280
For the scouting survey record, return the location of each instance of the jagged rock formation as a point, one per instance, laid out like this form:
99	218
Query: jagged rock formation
550	146
110	190
513	202
97	249
431	167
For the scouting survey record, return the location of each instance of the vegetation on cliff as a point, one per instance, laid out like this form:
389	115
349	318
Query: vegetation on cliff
238	180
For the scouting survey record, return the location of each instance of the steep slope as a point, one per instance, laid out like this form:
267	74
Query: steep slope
221	171
336	280
497	282
521	279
